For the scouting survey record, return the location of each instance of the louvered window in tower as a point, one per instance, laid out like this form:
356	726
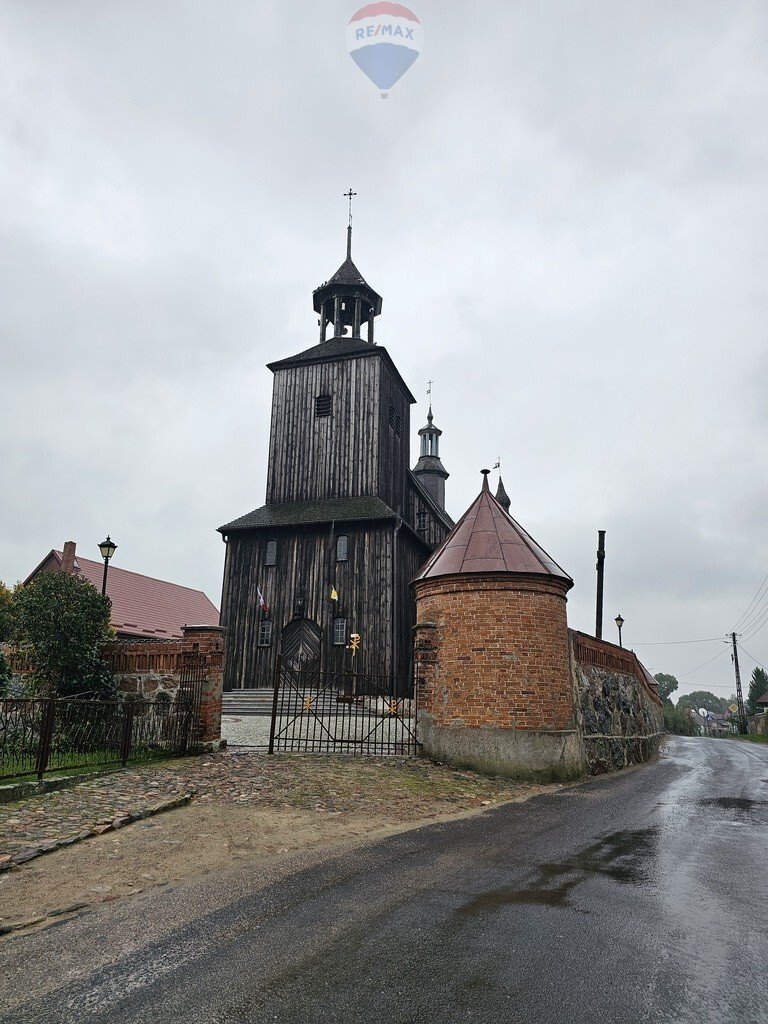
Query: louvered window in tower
270	555
421	522
323	405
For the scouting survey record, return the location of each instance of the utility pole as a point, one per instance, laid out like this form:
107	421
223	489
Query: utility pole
739	697
600	580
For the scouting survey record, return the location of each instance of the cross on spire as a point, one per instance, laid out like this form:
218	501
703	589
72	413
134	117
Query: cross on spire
349	195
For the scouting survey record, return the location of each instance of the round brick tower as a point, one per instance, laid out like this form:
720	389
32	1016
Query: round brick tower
493	666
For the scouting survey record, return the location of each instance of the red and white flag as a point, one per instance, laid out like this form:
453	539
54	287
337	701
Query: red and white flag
262	603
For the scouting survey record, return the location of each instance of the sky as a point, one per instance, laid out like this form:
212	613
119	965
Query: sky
563	205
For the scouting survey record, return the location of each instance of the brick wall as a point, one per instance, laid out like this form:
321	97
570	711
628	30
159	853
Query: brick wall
496	653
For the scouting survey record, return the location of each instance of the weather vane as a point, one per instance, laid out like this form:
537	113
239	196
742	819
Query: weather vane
349	195
429	388
497	463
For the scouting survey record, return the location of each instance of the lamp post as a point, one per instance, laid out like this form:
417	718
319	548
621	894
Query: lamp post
107	549
619	623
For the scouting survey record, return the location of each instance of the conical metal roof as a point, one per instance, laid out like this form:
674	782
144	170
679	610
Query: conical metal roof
488	540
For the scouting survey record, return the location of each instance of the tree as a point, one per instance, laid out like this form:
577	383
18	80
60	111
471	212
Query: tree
667	685
758	687
702	699
6	613
61	623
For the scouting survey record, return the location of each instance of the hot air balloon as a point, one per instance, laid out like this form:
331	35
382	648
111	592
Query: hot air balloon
384	39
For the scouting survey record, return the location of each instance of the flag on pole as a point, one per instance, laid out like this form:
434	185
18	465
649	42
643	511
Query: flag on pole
262	603
334	594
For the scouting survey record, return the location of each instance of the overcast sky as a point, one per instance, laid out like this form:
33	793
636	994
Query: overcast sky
563	205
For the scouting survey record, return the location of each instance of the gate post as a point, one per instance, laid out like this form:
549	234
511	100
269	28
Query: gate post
46	735
125	740
273	723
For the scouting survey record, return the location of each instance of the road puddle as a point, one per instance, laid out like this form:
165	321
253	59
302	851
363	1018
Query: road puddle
620	856
732	803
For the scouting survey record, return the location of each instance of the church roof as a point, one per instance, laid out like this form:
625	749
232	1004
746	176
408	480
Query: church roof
341	348
299	513
347	274
488	540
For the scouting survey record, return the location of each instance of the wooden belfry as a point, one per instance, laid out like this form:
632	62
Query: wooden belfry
344	514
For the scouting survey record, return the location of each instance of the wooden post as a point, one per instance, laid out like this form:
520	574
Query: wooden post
370	326
358	317
337	317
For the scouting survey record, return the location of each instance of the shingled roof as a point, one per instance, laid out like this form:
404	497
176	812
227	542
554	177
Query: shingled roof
488	540
141	605
298	513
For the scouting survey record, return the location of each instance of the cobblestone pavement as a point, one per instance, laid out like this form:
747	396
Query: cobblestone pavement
408	789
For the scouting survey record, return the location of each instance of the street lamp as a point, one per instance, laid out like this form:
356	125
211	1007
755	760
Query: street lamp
107	549
619	623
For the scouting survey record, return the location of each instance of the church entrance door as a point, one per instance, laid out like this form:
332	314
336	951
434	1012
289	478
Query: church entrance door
300	651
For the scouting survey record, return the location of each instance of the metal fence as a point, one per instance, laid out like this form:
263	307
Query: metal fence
340	712
51	734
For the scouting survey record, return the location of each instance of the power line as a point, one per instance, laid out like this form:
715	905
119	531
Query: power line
691	671
745	613
670	643
749	631
759	663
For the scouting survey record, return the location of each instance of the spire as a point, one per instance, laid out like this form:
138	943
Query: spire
501	495
429	470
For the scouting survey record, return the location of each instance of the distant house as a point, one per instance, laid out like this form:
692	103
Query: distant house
762	703
141	606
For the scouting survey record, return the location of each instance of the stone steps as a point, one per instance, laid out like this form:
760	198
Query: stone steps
247	702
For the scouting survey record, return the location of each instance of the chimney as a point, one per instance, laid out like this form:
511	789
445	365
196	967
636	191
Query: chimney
68	558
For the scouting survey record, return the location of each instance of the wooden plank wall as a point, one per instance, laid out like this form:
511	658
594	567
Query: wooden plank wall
306	562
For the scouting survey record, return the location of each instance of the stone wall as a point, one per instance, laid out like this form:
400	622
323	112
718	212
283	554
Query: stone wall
618	708
757	725
152	668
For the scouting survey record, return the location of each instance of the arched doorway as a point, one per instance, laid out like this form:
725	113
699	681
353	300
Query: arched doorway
300	648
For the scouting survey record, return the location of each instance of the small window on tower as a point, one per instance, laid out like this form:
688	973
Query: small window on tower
265	633
398	426
342	546
392	416
270	556
421	522
323	405
340	632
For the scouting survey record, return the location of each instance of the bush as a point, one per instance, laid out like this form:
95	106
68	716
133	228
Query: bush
678	720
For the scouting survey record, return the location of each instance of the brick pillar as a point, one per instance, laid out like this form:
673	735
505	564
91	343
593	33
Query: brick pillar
68	558
209	642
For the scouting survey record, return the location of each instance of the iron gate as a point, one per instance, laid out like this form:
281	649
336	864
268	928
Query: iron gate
189	696
342	712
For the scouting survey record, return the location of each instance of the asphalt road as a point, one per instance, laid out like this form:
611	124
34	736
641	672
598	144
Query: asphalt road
636	897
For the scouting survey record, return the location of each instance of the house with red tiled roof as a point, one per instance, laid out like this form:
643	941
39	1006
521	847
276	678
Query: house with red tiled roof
141	605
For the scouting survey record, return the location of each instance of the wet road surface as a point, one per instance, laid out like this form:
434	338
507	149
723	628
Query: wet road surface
636	897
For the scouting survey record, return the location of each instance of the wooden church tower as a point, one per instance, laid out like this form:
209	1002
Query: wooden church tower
344	514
